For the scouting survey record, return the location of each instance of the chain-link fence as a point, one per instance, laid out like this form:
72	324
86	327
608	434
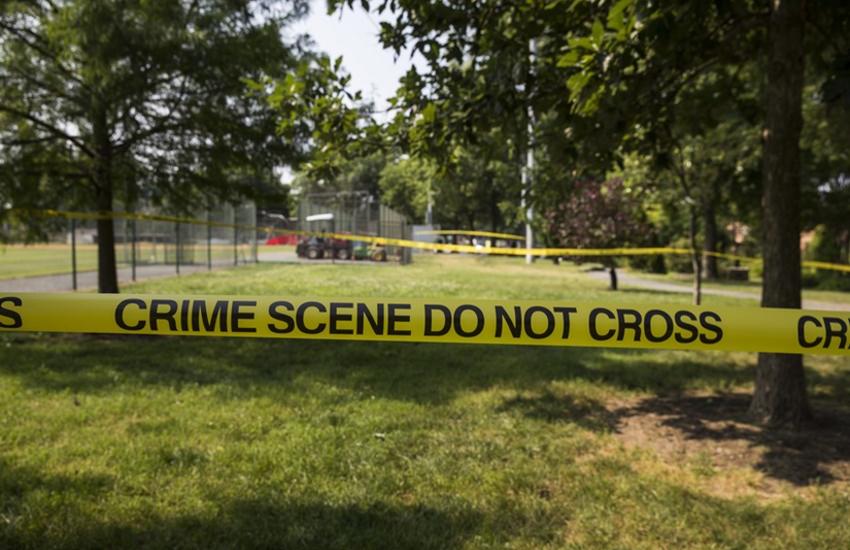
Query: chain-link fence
356	213
148	242
66	255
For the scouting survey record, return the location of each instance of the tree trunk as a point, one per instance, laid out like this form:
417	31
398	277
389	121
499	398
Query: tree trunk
494	207
780	390
696	256
612	272
107	275
709	224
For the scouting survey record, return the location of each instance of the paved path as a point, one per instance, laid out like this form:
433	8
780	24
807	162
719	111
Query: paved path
87	280
631	280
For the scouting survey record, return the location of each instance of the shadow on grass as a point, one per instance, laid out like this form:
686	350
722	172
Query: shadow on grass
819	454
25	492
799	457
423	373
265	523
586	412
16	480
436	374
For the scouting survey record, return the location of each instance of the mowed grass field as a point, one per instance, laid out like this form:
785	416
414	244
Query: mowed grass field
34	260
110	442
44	259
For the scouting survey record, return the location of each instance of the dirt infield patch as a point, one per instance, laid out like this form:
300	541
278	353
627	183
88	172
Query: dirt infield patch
711	437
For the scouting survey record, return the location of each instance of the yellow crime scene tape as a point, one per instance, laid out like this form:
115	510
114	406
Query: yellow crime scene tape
546	323
473	233
419	245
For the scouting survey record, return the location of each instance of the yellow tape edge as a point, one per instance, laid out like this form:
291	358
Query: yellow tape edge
566	323
436	247
474	233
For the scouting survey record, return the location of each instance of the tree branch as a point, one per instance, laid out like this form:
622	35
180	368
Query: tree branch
50	128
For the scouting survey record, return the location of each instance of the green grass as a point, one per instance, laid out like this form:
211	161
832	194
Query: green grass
110	442
44	259
52	259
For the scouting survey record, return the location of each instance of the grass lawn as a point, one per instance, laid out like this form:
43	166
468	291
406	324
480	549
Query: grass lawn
110	442
44	259
51	259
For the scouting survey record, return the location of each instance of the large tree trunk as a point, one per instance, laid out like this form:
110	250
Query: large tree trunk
709	224
696	256
107	275
780	391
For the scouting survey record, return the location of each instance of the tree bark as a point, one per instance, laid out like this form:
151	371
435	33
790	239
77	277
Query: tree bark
780	386
612	272
709	224
107	275
696	256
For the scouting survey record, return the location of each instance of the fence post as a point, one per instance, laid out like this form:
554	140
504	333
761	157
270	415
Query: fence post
256	246
73	253
406	252
177	247
235	239
133	249
209	242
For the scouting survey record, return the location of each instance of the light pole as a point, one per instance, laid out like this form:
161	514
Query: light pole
525	201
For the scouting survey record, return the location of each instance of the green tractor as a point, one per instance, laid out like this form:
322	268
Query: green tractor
363	251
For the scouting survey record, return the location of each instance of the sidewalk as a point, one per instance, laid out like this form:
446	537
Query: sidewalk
631	280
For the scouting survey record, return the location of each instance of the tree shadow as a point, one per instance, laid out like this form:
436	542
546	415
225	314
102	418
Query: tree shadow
678	425
583	411
17	483
819	454
267	523
423	373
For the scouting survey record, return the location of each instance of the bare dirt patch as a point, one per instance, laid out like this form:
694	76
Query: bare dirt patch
712	435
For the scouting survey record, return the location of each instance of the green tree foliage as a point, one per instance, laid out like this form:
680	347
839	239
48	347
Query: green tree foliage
314	102
613	77
405	186
360	173
648	54
107	100
478	186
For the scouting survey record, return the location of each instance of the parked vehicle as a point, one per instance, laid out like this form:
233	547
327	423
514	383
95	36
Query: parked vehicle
282	240
364	251
316	248
378	254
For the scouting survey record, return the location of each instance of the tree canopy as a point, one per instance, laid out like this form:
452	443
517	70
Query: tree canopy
133	99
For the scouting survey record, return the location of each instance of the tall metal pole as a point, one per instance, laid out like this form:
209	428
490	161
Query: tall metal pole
73	253
525	202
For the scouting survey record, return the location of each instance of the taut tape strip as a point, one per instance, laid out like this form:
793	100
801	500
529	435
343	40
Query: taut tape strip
473	233
434	247
548	323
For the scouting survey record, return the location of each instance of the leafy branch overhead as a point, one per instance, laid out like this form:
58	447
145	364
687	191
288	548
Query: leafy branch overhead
316	106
